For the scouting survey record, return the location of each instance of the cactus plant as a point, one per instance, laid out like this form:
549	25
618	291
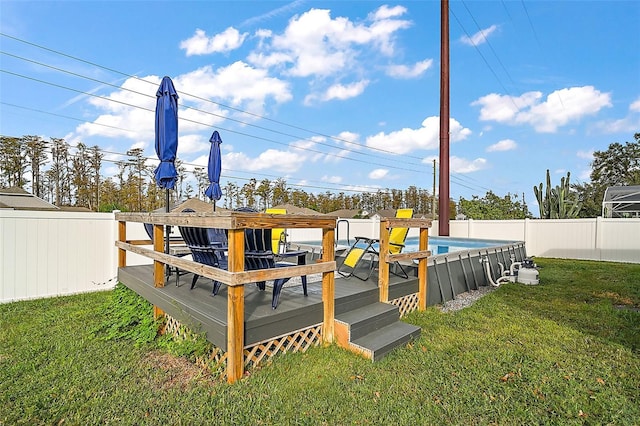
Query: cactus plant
558	202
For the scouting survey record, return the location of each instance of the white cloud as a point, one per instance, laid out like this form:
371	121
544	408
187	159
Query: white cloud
271	159
378	174
503	145
120	117
272	13
426	137
385	12
237	84
331	179
226	41
193	143
462	165
339	91
315	44
628	124
559	108
405	71
585	155
480	37
347	136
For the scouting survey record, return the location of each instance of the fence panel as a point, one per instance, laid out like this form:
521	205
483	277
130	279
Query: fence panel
46	254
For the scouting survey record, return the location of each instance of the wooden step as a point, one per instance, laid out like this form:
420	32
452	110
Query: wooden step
379	343
369	318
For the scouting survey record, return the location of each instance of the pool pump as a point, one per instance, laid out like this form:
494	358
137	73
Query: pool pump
524	272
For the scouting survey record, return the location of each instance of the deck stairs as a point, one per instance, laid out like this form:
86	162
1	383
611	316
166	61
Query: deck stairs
372	329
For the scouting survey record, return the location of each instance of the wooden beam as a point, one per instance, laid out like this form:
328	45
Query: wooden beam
328	285
235	333
229	278
412	255
235	309
383	266
231	220
422	270
122	236
158	245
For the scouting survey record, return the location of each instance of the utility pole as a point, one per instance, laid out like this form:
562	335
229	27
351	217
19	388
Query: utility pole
443	196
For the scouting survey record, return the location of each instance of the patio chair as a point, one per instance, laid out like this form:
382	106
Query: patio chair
207	246
205	251
259	254
149	229
278	235
364	246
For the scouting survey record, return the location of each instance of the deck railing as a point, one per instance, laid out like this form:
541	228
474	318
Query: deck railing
235	277
421	255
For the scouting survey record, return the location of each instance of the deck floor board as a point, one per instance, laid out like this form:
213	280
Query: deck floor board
203	312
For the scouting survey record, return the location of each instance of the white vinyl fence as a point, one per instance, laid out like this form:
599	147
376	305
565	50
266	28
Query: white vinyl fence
44	254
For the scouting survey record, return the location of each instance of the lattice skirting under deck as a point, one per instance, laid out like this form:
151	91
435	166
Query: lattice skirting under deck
261	352
406	304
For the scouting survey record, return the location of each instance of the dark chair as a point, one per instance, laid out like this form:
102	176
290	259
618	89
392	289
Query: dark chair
258	254
149	229
205	251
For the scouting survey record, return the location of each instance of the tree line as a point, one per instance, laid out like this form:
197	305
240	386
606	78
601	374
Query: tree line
51	171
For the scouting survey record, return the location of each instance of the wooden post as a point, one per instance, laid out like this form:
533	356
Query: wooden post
235	309
383	266
422	270
122	236
158	267
158	245
328	286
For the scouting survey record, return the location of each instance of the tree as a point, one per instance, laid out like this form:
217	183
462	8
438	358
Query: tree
619	165
12	161
36	156
264	192
59	171
559	202
493	207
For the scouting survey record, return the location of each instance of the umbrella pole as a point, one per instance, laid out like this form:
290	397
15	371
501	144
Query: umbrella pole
167	233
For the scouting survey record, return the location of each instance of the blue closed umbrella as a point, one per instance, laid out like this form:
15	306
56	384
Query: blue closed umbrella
166	134
214	192
166	141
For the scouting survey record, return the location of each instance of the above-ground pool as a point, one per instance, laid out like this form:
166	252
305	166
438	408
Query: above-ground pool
455	265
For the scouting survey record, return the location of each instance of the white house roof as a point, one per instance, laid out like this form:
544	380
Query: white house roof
22	200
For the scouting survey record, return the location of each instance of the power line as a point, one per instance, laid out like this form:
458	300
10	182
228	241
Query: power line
211	126
488	43
207	100
202	99
485	61
214	114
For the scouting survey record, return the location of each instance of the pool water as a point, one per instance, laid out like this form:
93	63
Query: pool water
443	245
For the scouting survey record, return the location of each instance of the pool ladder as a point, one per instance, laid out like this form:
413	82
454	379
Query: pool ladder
338	231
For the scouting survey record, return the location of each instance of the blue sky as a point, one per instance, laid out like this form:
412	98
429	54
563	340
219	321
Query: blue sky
335	96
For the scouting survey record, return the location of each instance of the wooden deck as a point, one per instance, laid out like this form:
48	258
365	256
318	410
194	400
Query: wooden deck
199	311
239	320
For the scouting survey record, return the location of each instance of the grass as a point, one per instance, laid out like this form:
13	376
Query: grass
564	352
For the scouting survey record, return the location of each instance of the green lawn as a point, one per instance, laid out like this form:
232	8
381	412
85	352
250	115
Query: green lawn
564	352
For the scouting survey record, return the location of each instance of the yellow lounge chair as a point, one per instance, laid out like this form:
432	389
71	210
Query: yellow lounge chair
278	235
363	246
